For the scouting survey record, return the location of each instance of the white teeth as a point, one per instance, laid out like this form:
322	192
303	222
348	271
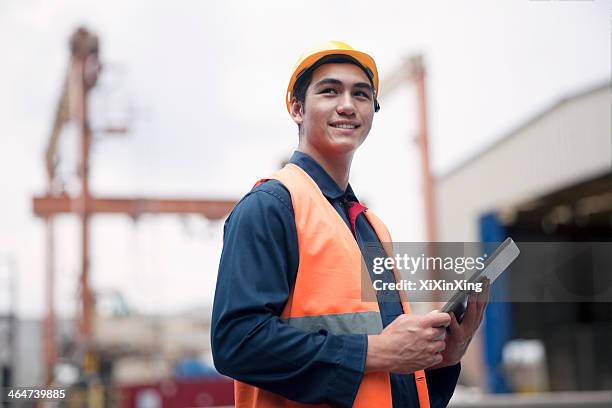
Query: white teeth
345	126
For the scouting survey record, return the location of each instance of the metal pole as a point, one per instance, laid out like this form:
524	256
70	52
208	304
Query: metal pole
50	347
428	190
418	76
83	76
86	296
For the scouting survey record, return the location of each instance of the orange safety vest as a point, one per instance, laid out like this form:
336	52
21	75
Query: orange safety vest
329	289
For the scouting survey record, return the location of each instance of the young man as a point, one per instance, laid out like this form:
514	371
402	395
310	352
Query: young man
290	324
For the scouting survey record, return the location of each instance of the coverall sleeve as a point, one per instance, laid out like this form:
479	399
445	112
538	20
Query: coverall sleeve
250	342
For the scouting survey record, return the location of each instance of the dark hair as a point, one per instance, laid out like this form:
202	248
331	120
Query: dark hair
305	77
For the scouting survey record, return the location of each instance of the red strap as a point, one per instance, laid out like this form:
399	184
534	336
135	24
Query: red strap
260	181
354	210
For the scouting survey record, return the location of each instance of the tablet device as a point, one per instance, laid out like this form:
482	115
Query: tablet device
497	263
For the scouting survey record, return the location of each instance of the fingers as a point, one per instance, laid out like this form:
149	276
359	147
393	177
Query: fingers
436	347
436	333
482	300
471	312
477	303
436	319
454	324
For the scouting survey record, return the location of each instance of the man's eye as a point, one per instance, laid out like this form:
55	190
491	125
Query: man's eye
329	90
362	93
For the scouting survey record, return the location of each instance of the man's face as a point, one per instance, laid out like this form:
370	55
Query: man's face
338	111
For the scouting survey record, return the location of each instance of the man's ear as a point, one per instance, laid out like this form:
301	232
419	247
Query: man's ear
296	111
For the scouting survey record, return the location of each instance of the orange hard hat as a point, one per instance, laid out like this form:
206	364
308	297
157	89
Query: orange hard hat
313	54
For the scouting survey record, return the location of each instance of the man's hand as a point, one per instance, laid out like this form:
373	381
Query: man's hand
460	336
408	344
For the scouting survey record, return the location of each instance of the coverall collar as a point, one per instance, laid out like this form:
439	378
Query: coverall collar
324	181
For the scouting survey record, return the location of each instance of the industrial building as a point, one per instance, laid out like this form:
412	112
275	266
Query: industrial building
548	180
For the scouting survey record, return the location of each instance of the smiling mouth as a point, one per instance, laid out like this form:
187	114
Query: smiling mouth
345	126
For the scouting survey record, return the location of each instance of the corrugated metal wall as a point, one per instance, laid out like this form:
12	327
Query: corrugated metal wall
570	142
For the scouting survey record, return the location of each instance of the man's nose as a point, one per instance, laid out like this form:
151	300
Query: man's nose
346	105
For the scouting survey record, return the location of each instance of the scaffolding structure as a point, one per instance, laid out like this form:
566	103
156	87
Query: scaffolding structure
83	70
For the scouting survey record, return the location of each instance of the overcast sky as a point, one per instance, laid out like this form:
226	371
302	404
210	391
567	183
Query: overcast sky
203	83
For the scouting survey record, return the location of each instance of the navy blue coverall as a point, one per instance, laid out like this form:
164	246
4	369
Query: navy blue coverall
257	270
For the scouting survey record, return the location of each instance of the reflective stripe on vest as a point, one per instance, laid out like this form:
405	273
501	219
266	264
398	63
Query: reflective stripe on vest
341	323
328	293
